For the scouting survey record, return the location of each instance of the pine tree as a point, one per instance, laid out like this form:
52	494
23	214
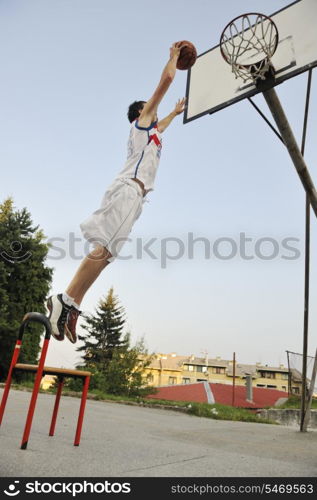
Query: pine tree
117	367
24	282
105	330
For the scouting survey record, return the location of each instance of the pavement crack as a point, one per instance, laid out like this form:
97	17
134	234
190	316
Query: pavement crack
166	463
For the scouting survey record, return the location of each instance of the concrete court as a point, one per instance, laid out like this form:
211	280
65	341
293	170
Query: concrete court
130	441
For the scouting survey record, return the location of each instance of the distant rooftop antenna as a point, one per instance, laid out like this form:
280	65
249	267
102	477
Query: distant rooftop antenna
205	352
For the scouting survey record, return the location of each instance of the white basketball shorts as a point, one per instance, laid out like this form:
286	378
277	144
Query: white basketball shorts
111	224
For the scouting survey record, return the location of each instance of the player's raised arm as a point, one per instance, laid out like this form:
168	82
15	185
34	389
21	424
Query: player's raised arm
149	111
165	122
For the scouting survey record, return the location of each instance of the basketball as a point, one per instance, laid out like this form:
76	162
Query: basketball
187	56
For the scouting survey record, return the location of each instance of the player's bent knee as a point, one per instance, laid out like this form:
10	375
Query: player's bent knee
101	253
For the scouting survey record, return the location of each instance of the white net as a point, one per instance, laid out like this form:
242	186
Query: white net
247	44
295	365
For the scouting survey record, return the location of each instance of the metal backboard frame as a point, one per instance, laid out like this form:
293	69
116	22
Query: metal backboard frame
211	85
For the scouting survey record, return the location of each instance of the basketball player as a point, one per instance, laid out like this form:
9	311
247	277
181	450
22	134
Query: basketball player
109	226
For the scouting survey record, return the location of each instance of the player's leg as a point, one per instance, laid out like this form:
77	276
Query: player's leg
64	307
110	226
88	271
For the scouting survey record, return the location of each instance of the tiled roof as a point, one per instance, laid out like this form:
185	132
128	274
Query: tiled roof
184	392
266	368
241	370
168	363
192	360
222	394
261	396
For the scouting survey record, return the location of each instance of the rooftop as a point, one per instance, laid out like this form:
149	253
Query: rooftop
220	393
174	362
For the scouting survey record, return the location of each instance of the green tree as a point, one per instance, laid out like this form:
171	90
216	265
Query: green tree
105	333
24	282
117	366
125	372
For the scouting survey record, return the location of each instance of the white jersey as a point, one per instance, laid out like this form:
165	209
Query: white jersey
144	151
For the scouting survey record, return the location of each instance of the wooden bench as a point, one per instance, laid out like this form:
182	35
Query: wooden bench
48	370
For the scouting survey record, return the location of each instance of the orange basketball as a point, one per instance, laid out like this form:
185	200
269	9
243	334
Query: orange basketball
187	56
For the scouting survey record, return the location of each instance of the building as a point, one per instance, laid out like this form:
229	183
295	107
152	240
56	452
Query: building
47	382
171	369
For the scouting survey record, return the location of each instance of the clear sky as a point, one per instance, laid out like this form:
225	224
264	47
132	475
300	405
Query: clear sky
69	70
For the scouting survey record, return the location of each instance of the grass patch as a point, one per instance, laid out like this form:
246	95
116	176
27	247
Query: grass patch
26	386
222	412
214	411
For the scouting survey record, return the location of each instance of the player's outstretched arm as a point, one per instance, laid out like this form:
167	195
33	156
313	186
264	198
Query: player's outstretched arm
149	111
165	122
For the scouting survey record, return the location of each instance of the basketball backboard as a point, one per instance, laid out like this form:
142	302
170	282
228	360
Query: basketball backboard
212	86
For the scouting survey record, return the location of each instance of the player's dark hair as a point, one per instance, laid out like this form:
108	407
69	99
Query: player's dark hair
134	110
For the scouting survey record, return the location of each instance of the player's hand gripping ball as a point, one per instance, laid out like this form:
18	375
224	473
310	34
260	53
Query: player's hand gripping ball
187	56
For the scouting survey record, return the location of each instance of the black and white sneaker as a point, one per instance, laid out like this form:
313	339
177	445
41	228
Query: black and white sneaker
58	314
70	325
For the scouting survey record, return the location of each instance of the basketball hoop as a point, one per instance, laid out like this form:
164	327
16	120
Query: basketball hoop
248	43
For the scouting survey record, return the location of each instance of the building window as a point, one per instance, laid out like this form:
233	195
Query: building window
150	378
271	386
172	380
268	374
295	390
260	385
218	369
190	368
200	368
284	376
186	380
284	388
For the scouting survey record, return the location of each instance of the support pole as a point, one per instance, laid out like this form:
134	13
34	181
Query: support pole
289	381
234	377
310	396
307	267
287	135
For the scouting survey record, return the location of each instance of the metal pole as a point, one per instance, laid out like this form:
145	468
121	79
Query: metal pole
82	410
234	377
39	318
265	119
306	314
56	405
307	267
289	376
281	121
14	360
310	395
